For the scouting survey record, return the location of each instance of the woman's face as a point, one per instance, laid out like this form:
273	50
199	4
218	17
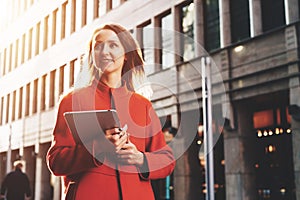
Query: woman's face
109	53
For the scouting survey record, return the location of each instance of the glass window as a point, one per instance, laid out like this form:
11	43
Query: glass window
43	94
52	89
61	80
80	14
3	62
188	47
63	21
13	114
211	24
7	108
22	49
16	54
53	28
239	20
74	18
148	48
116	3
84	13
72	74
45	43
167	41
29	44
103	8
1	65
273	15
20	103
37	39
1	109
27	99
35	95
91	10
10	57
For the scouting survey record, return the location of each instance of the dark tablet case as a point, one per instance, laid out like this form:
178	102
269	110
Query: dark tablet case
88	125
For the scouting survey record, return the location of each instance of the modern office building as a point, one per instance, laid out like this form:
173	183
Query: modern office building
253	44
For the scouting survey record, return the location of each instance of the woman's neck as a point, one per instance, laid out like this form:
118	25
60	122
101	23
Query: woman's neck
111	80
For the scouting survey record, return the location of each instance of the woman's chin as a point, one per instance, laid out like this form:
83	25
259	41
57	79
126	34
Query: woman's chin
106	66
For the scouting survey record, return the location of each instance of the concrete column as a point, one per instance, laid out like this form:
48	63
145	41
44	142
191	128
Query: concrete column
180	177
255	17
30	167
187	171
225	29
291	11
238	149
295	126
294	84
43	188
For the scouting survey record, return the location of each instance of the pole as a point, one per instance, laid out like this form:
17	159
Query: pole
207	127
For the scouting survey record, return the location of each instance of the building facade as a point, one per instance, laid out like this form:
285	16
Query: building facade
252	44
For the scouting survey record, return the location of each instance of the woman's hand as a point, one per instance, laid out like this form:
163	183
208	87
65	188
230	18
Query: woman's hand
130	155
117	137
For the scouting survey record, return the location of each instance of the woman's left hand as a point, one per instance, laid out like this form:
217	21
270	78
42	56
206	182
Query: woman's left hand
130	155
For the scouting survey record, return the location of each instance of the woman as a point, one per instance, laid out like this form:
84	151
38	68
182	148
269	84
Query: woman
89	171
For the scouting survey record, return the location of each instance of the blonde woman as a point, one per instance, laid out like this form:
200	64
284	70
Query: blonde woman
140	152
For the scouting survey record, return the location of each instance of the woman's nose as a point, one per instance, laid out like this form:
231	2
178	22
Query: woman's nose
105	49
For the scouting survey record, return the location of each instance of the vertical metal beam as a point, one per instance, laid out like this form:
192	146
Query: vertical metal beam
207	127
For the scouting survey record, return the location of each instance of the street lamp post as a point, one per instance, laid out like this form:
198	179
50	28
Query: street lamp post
207	127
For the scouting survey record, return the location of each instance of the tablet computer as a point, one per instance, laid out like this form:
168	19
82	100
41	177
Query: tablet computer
91	124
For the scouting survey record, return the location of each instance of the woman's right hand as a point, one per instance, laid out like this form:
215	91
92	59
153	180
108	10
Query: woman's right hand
117	137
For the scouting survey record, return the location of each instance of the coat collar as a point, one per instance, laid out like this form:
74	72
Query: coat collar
103	88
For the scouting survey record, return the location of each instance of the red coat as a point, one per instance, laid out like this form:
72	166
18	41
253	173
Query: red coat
97	180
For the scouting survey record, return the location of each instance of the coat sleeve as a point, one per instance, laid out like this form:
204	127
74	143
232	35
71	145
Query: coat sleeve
65	157
158	154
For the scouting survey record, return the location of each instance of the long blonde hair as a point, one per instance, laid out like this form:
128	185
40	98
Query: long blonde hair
134	64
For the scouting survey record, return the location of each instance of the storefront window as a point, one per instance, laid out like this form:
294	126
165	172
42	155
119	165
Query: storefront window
188	18
273	15
239	20
273	160
148	48
211	24
167	41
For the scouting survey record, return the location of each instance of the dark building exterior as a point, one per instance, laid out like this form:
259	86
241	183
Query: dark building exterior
253	48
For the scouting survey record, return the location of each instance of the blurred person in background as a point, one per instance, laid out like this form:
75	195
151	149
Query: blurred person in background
15	185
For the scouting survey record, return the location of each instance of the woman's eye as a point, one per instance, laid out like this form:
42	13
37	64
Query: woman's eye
98	47
113	45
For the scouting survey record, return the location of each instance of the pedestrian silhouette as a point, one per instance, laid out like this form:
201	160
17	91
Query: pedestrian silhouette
15	185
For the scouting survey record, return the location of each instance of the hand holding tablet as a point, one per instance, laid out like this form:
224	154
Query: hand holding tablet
92	124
